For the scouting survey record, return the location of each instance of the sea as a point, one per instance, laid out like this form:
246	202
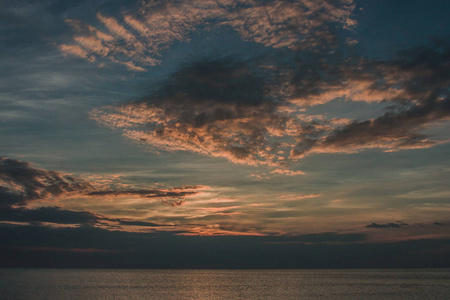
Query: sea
224	284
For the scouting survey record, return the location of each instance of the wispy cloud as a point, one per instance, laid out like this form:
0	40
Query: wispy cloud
292	197
137	38
24	189
76	51
22	183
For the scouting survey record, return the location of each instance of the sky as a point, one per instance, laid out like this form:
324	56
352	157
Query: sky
224	133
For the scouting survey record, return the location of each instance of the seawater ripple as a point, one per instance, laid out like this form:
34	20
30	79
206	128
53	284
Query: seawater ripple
224	284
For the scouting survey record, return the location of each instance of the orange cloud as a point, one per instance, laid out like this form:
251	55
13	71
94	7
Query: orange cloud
26	191
154	26
223	108
76	51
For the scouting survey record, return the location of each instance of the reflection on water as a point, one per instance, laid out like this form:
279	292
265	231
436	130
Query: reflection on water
224	284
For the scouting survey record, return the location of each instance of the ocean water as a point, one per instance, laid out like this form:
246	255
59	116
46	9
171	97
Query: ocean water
224	284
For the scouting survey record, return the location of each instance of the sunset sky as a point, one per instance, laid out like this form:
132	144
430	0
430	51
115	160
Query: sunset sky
225	133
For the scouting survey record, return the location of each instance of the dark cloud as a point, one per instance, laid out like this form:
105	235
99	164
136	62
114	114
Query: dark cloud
222	107
324	237
219	81
38	246
173	202
22	183
250	113
49	214
438	223
54	214
153	193
139	223
417	87
387	225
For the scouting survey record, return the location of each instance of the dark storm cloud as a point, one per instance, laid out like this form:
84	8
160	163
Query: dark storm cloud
438	224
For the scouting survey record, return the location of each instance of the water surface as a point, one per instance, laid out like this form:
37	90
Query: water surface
224	284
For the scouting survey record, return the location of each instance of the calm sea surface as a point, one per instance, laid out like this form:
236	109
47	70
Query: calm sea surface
224	284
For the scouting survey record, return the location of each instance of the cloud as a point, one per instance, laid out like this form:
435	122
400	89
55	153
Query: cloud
321	78
416	86
173	202
387	225
153	26
153	193
23	186
293	197
323	237
292	24
22	183
239	111
118	45
220	108
39	246
49	214
139	223
57	215
76	51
